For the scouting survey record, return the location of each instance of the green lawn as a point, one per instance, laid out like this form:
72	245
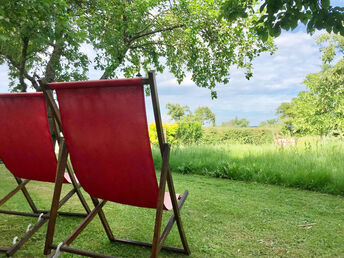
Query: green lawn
222	218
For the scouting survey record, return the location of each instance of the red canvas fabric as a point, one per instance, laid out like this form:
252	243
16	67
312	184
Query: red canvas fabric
26	146
106	132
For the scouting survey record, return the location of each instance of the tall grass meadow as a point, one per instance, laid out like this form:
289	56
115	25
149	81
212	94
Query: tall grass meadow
314	163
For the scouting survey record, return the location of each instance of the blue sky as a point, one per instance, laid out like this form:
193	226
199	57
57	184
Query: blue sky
276	78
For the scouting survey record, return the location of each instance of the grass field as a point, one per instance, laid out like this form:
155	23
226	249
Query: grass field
311	165
222	218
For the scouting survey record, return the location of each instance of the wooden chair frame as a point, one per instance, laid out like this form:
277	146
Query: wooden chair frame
42	215
166	176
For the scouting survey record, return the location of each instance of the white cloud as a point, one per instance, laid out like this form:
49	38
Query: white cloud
4	82
276	79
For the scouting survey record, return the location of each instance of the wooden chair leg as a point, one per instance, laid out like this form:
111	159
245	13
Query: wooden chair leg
160	203
13	192
27	196
170	224
98	208
77	188
176	212
26	237
103	220
43	217
61	166
79	229
166	176
156	237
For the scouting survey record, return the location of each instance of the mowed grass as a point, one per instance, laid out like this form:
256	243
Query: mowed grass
314	165
222	218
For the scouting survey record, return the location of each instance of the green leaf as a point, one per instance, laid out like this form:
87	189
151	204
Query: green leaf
325	4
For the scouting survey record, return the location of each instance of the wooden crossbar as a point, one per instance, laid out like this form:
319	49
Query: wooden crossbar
37	213
42	220
98	208
13	192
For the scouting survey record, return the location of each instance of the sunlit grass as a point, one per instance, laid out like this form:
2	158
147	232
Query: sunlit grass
316	165
222	218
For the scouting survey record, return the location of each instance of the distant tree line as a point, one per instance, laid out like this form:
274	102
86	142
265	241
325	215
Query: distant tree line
236	122
183	113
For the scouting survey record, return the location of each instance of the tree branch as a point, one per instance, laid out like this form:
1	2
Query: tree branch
150	43
150	23
112	68
16	64
156	31
120	58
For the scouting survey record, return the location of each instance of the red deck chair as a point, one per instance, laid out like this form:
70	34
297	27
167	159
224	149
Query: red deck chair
105	127
26	148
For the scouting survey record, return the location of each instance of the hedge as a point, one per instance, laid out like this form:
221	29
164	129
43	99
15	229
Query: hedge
192	132
215	135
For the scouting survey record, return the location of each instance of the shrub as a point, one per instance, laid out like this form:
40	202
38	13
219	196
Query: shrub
213	135
189	132
178	133
171	132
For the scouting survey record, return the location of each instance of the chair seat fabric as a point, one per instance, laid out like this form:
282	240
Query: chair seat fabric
26	146
168	202
106	132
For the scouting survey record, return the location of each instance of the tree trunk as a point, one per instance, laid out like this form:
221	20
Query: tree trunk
50	76
22	64
50	71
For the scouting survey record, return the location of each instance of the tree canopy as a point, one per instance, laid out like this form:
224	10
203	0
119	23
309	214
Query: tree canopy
269	122
285	14
176	111
41	38
183	113
320	109
48	38
236	122
204	115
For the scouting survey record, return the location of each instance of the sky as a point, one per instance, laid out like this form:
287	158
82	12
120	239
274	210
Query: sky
276	78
